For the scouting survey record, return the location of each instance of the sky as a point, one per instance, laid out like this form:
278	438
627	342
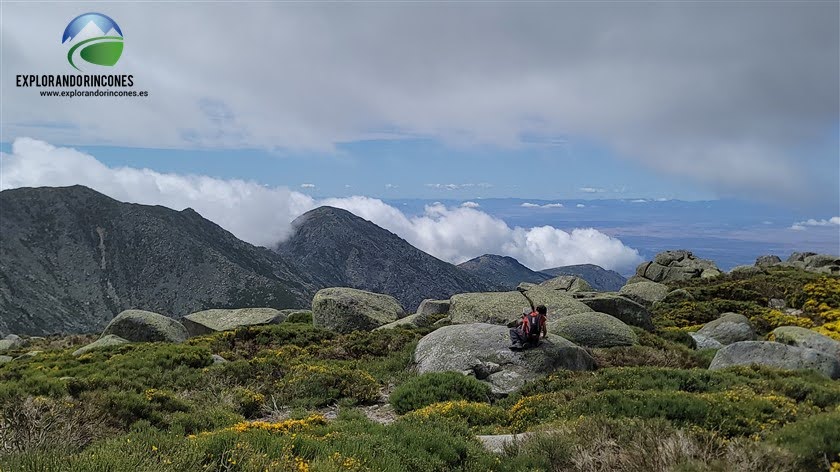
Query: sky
366	102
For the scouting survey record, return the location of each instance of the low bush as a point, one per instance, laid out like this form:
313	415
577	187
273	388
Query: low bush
314	385
246	342
814	440
473	413
435	387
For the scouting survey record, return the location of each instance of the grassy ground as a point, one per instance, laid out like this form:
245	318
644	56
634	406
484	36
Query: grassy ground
164	407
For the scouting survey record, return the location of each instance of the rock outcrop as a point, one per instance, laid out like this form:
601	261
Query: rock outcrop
11	341
567	283
672	266
212	321
483	350
146	326
803	337
777	355
506	307
728	328
645	293
593	329
345	309
618	306
105	341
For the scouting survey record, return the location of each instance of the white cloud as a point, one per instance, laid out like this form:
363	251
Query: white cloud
639	200
547	205
580	205
307	185
592	190
470	205
483	185
801	225
391	186
262	215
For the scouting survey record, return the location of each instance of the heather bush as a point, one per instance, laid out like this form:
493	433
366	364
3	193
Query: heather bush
435	387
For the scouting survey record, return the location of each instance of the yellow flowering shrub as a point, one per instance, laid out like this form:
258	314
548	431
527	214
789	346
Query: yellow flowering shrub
474	413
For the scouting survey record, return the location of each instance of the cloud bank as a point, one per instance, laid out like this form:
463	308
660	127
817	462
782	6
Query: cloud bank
732	95
262	215
801	225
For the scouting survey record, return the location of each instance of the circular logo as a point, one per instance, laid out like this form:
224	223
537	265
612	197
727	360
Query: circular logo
93	39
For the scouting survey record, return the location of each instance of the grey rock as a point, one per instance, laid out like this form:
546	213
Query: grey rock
705	342
671	266
800	256
636	279
678	295
803	337
145	326
817	261
442	321
497	443
213	321
474	346
618	306
429	307
217	359
777	303
5	359
344	309
767	261
600	279
745	271
506	307
593	329
729	328
410	321
105	341
777	355
567	283
12	341
645	293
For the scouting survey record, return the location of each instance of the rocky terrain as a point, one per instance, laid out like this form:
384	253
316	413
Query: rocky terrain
684	368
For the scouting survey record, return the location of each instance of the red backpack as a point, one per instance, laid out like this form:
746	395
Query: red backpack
532	325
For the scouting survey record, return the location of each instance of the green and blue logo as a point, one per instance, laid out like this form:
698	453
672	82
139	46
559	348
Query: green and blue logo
93	39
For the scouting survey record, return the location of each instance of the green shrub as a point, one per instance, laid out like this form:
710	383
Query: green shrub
304	317
473	413
246	342
248	402
314	385
360	345
435	387
814	440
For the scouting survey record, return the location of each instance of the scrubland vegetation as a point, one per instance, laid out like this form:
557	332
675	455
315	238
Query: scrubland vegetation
295	397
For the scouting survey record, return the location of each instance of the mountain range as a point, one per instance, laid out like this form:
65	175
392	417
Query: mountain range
72	258
507	272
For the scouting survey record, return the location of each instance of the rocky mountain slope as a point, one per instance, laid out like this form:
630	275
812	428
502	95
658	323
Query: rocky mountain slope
504	271
339	249
599	278
72	258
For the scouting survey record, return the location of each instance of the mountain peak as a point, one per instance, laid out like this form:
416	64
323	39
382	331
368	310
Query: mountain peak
338	248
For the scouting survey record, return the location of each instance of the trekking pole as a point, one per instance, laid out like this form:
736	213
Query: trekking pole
522	290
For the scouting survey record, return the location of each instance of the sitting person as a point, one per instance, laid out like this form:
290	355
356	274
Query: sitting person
528	330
